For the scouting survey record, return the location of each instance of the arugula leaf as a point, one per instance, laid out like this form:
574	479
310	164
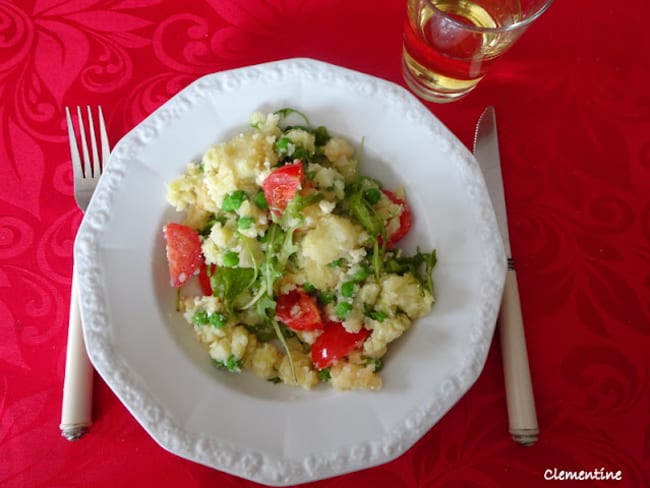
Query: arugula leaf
279	247
337	263
414	264
285	112
377	315
292	215
359	204
229	283
322	135
361	197
265	308
377	363
207	228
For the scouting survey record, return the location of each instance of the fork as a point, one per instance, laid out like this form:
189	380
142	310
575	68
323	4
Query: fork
87	167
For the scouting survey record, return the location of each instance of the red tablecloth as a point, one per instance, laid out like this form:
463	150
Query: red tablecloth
574	115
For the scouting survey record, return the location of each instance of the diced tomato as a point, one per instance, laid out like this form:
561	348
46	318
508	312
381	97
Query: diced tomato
282	184
204	278
405	220
183	252
298	310
335	343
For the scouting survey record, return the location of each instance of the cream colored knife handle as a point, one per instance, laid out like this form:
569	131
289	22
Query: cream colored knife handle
519	390
76	411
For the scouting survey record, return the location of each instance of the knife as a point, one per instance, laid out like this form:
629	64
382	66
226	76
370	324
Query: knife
522	418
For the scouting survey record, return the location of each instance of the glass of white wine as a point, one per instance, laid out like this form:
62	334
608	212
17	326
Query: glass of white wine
449	45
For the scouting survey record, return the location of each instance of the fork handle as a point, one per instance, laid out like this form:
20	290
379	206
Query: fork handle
76	411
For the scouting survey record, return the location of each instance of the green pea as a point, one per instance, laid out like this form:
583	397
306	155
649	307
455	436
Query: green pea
245	223
347	289
230	259
260	201
360	275
217	320
343	309
200	317
282	146
233	201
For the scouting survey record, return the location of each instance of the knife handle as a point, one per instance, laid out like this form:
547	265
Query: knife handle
522	417
76	410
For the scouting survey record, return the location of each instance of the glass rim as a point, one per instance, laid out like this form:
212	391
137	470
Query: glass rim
506	28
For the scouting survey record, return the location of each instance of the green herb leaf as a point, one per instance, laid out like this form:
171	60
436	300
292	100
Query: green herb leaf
309	288
420	266
207	228
377	315
337	263
229	283
377	363
232	364
324	375
372	195
285	112
321	135
326	297
293	212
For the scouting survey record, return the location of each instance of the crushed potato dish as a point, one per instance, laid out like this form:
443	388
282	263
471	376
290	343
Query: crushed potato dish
296	256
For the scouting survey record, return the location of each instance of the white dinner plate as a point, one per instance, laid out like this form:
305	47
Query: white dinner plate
240	424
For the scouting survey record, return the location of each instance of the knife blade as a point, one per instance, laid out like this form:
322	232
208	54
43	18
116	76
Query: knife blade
522	416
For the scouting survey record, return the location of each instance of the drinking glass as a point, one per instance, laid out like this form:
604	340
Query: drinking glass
449	45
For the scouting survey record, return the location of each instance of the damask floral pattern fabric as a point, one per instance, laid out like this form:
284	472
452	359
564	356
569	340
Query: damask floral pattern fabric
574	120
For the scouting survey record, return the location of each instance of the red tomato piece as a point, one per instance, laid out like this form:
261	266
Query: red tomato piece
298	310
183	252
282	184
335	343
405	220
205	272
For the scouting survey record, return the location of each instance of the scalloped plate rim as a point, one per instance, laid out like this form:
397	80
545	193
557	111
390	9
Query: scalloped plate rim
253	463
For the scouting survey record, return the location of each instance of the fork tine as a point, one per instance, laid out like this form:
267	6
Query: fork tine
84	145
106	148
95	169
74	149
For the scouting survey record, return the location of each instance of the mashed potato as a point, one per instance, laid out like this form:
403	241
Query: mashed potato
306	284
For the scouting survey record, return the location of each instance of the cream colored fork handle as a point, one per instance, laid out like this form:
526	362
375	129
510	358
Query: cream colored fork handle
76	412
522	417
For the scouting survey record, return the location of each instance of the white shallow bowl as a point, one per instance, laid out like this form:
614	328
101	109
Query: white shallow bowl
240	424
